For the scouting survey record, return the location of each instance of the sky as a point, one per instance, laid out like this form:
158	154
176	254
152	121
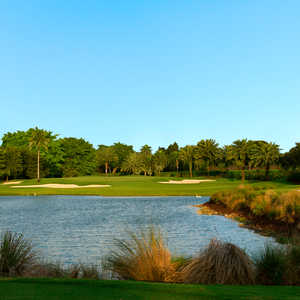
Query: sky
152	72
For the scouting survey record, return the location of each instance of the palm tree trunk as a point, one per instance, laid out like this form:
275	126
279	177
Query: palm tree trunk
38	166
243	174
106	168
177	167
267	171
191	169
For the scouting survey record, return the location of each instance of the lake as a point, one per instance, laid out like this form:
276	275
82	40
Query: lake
73	229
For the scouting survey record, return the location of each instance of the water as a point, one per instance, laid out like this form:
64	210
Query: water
75	229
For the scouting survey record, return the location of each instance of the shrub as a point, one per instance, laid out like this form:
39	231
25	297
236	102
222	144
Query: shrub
220	263
142	257
271	265
16	254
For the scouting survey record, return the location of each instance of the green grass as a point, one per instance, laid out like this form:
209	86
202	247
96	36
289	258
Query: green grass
46	289
135	186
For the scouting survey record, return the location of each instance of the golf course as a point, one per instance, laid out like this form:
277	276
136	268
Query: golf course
130	186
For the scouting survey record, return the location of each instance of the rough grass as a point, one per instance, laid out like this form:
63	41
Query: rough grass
54	289
220	263
136	186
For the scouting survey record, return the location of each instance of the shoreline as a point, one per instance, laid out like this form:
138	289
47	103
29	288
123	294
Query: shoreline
261	226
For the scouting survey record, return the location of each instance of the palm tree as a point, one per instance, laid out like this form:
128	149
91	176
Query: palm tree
39	140
208	151
160	161
133	163
239	152
147	160
186	154
264	154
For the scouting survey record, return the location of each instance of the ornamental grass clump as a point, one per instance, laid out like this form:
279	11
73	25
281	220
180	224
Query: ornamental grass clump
142	256
220	263
271	265
16	254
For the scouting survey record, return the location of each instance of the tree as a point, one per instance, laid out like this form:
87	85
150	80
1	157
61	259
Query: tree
172	153
2	161
79	157
207	151
186	154
133	163
239	152
146	158
39	140
51	156
122	152
106	156
160	161
10	162
291	159
264	154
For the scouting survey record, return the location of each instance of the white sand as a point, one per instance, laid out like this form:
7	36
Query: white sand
62	186
12	182
187	181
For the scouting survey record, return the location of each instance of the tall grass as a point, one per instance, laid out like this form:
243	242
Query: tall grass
142	256
220	263
16	254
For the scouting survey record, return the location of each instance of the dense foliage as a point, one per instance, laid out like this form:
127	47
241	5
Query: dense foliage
37	152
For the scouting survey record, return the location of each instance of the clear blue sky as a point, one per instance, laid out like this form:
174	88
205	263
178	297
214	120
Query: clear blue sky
152	71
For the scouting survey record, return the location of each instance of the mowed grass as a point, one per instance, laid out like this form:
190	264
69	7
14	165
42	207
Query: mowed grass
50	289
134	186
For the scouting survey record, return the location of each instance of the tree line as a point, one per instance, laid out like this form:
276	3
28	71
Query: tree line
39	153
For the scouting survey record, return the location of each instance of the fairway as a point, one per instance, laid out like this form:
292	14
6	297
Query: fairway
50	289
133	186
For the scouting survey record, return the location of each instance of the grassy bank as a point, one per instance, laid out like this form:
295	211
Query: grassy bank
128	290
135	186
269	211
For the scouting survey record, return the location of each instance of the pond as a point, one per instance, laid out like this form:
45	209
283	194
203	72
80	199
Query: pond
73	229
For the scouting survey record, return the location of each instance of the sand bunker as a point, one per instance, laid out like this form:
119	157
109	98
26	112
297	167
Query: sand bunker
187	181
12	182
62	186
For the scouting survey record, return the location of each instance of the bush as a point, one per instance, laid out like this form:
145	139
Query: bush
16	254
220	263
142	257
271	265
